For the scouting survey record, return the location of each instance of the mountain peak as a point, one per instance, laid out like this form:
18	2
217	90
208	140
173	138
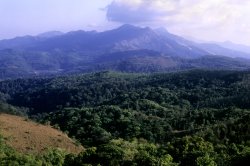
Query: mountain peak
161	30
128	27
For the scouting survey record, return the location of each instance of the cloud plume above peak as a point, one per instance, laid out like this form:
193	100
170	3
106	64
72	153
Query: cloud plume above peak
137	11
210	20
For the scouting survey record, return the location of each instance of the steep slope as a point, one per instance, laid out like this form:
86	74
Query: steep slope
194	48
29	137
222	49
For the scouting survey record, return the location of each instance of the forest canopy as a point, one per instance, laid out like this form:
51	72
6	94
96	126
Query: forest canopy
194	117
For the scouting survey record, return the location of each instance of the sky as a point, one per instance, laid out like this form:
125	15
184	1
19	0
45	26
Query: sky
207	20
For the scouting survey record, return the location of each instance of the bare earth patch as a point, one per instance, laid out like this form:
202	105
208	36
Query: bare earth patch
30	137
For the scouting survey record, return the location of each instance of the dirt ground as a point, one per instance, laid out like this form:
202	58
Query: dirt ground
30	137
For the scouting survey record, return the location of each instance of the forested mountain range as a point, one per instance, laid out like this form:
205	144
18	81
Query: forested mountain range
131	107
127	48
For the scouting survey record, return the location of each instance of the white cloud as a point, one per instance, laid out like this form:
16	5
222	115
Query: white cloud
205	19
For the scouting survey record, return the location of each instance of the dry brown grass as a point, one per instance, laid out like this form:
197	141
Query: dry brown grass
30	137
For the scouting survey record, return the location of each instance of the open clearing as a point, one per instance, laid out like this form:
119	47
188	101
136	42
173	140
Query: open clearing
30	137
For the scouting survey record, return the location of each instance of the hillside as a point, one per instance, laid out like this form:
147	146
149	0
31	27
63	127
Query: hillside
30	137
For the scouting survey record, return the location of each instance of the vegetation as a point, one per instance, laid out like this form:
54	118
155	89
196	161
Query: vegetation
186	118
9	156
26	136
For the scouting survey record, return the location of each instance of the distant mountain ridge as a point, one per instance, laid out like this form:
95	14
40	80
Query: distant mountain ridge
127	48
237	47
50	34
124	38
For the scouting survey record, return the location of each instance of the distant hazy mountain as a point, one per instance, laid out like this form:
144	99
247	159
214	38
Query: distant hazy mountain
216	49
127	48
18	42
50	34
238	47
124	38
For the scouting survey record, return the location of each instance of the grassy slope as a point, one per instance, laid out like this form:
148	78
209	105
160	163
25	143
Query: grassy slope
30	137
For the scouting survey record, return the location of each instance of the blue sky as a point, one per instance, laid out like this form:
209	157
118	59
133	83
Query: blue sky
23	17
218	20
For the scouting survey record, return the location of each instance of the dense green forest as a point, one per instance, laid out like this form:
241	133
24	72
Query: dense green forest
185	118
